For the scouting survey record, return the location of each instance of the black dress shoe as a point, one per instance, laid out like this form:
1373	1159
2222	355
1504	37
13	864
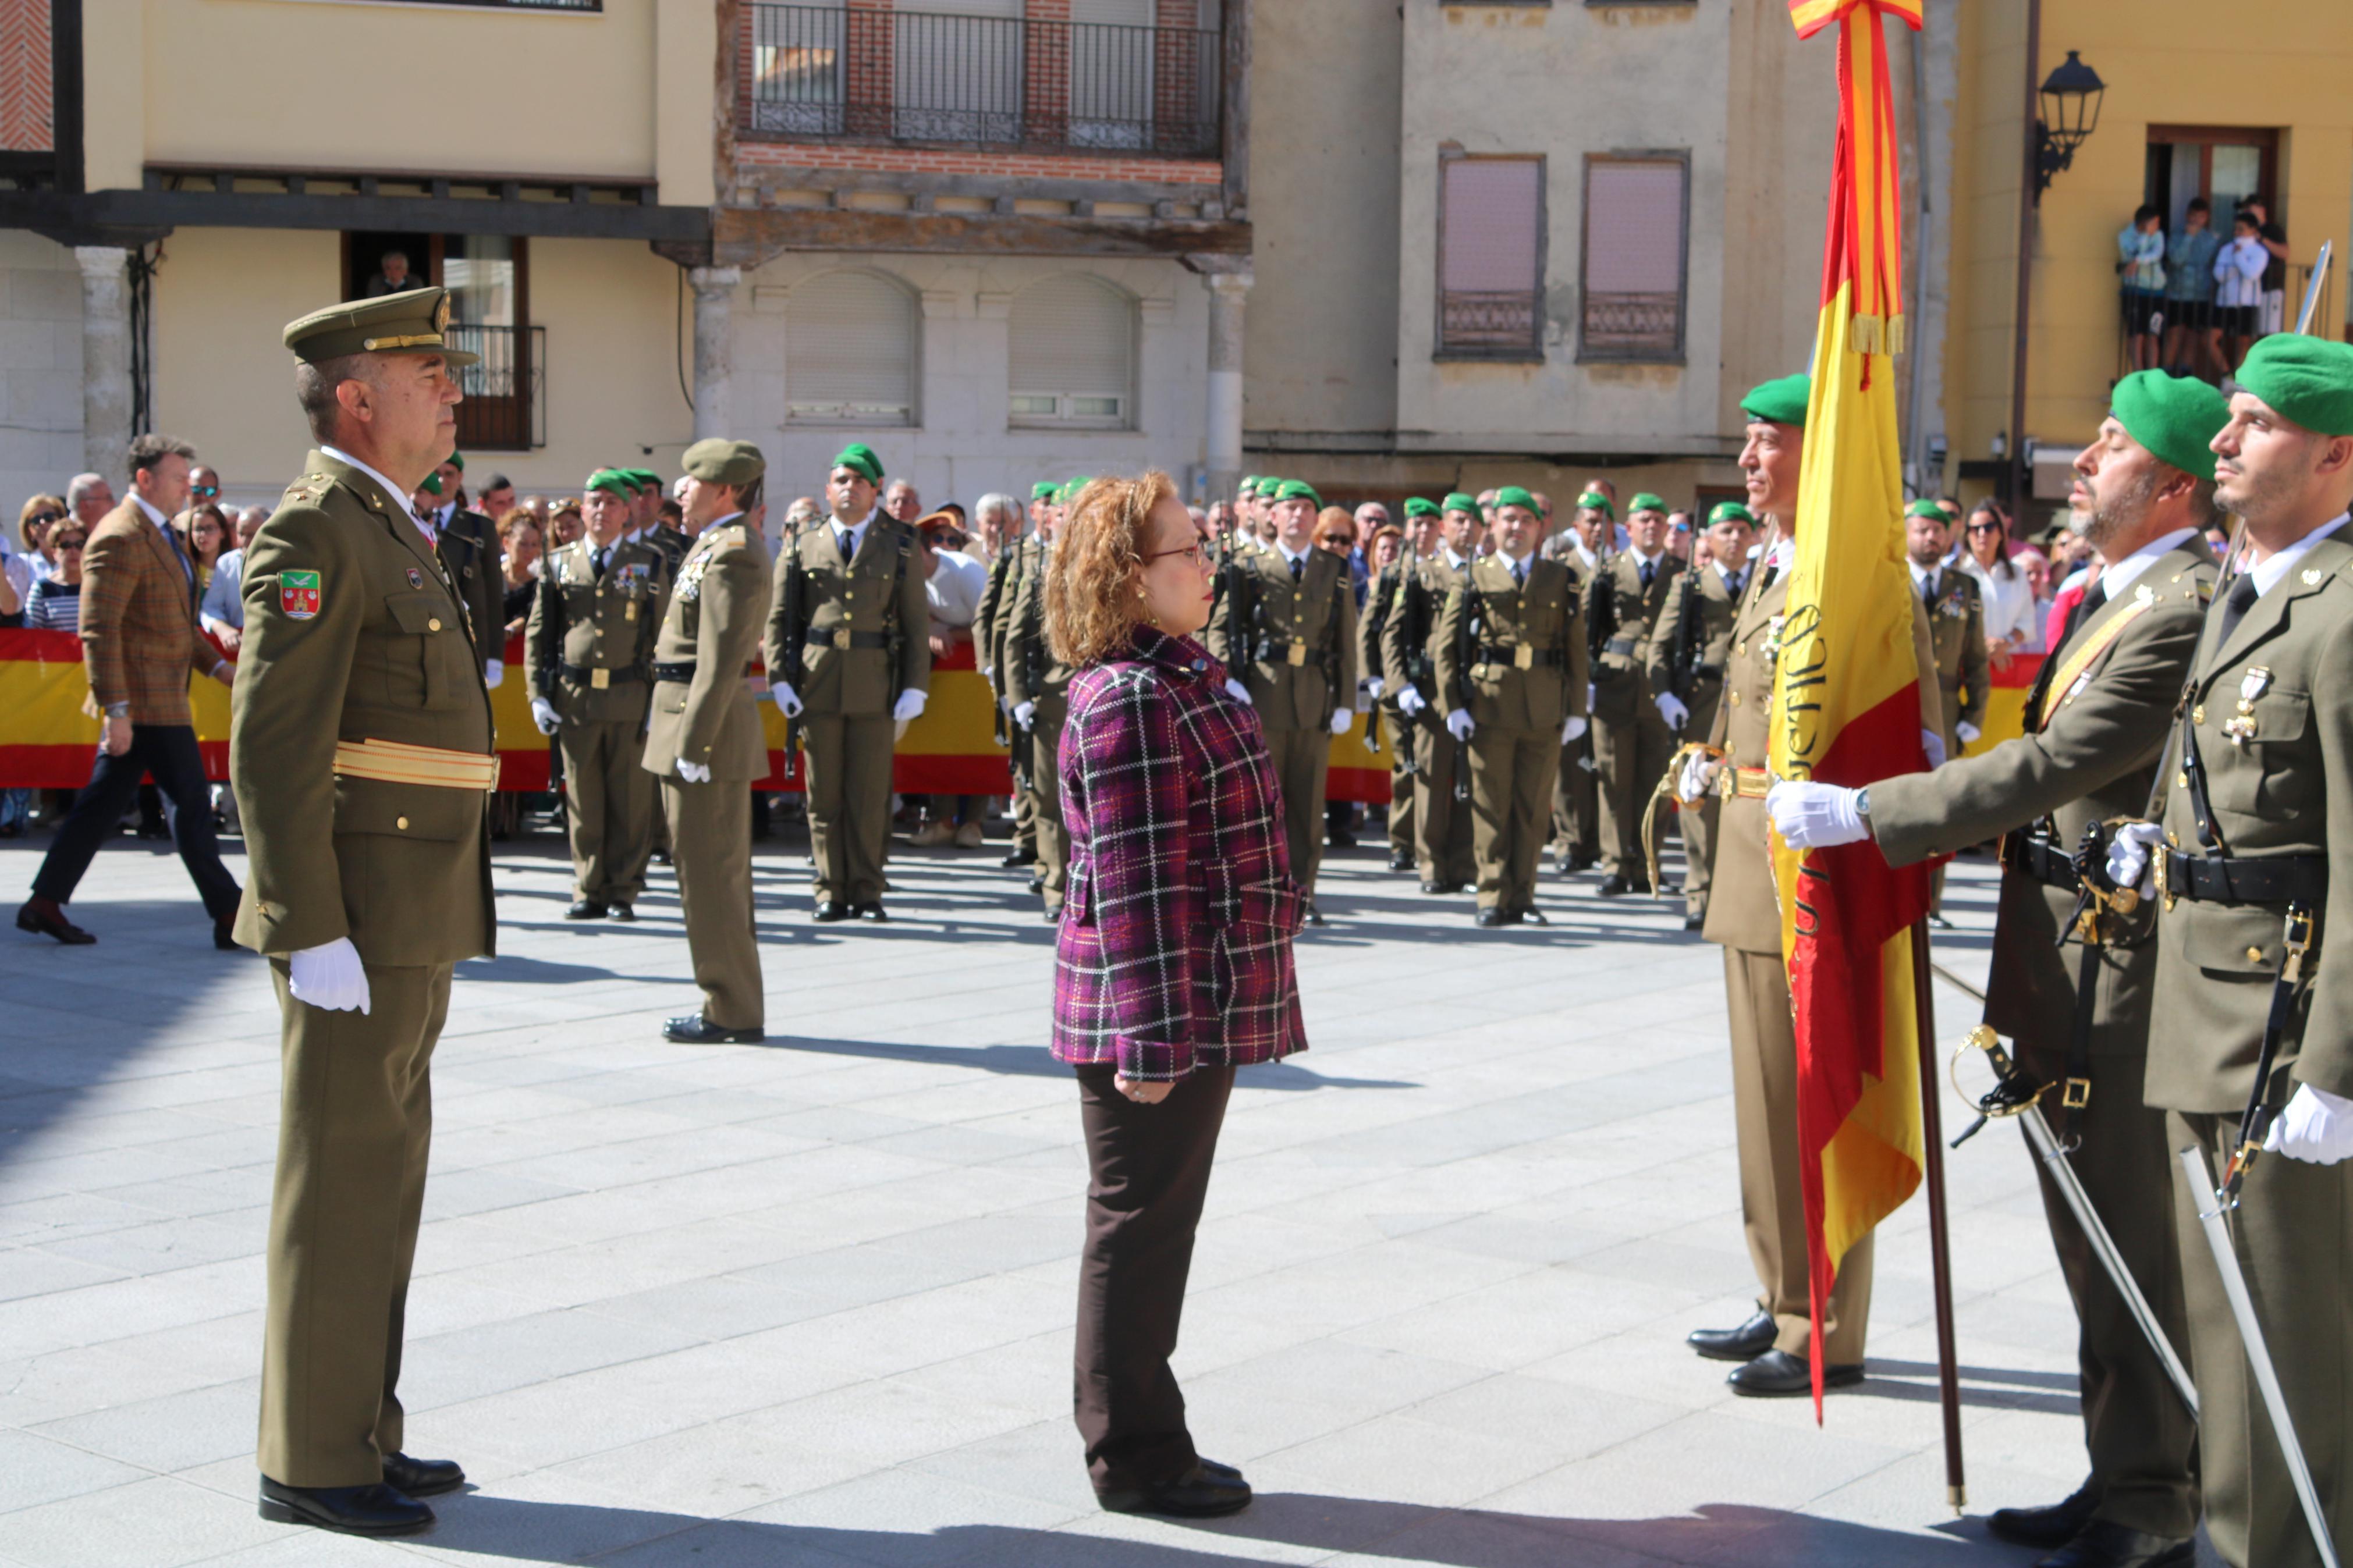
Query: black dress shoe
830	911
1747	1343
695	1029
1434	887
1211	1467
624	913
1036	884
1528	916
1199	1493
1014	859
44	917
225	935
1778	1374
1400	860
1054	915
1315	915
1582	860
375	1509
585	910
2053	1525
2103	1543
1694	923
1614	886
1490	917
872	909
422	1478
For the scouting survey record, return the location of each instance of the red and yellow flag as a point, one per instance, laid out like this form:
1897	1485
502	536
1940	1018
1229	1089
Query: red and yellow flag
1847	695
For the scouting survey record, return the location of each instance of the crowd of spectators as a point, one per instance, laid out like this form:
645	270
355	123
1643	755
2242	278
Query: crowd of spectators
2194	301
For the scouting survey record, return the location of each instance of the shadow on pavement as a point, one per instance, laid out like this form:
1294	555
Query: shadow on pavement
1032	1062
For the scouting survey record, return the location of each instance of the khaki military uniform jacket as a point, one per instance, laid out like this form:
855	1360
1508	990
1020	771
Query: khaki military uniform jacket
588	647
1743	911
356	640
868	621
1621	685
1701	594
2089	754
994	614
1406	658
712	622
1032	673
1956	629
1527	664
2283	683
1292	645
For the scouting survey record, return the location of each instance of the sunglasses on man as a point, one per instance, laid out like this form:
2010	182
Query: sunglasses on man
204	492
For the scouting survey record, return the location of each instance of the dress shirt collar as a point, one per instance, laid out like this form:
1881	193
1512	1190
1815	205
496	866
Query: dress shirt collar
1921	575
1290	557
390	488
1459	563
2122	575
157	518
1641	560
718	522
849	537
1725	574
2276	565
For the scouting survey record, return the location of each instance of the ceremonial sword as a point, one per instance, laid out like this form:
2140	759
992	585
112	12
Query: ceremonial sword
2250	1334
2008	1099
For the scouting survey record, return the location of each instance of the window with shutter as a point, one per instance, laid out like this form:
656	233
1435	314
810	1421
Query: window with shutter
851	352
1491	257
1636	212
1073	355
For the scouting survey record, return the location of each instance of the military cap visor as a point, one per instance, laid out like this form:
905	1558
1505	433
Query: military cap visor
2175	416
862	458
2307	379
407	323
1513	495
1422	506
1781	401
718	461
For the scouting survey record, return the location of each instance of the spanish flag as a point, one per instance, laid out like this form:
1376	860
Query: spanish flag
1847	697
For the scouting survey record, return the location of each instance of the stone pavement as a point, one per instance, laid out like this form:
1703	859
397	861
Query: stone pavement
810	1303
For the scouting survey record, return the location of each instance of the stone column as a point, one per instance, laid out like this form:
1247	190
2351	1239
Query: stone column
105	361
1228	291
714	350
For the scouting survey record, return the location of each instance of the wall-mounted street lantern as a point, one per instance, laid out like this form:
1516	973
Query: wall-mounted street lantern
2071	112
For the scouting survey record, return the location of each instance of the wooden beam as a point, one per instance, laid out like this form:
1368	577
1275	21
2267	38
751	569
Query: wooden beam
746	236
1233	92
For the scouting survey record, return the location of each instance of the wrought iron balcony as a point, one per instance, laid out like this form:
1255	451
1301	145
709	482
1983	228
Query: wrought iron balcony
820	72
1633	326
503	409
1488	324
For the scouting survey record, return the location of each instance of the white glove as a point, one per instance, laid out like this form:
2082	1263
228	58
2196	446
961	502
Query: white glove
1023	712
1572	728
1341	719
2315	1126
1968	731
1409	702
1815	816
1934	744
1239	692
330	978
2129	853
782	694
910	706
1672	709
1375	686
694	772
542	714
494	672
1459	725
1697	778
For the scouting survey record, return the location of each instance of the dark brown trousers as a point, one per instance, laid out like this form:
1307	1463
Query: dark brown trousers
1148	1176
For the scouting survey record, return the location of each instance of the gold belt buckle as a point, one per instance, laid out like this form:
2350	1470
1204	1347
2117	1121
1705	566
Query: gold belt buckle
2164	887
1727	782
1296	655
842	639
2078	1093
598	680
1523	657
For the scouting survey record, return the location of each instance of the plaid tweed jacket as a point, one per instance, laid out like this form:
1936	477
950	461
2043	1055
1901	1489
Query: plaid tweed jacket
140	635
1174	946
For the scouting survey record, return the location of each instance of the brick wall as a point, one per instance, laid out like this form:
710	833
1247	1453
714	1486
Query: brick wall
25	101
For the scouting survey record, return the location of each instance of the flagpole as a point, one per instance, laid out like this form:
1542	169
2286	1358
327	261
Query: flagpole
1940	1252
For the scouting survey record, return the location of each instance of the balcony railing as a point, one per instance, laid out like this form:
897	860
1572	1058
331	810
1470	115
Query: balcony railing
1633	326
503	410
832	73
1488	324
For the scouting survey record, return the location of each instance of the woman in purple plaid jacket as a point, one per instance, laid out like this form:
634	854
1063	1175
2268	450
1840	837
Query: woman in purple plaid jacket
1173	966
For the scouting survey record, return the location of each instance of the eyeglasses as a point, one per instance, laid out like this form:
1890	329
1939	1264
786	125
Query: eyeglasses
61	549
1196	553
46	518
1985	528
206	492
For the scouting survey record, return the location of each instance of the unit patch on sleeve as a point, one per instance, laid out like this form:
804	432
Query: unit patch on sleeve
298	594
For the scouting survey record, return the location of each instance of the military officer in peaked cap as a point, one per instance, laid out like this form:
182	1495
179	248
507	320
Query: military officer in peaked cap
588	653
361	746
2096	721
851	618
704	742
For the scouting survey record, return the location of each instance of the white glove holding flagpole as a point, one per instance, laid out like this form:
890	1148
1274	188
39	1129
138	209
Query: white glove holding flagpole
543	716
1341	719
1572	728
1815	816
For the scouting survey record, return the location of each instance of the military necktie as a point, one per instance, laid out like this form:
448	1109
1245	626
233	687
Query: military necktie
596	563
1649	570
1929	588
1298	567
1732	585
1519	573
2236	604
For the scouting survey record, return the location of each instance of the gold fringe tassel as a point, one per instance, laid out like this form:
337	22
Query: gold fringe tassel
1875	334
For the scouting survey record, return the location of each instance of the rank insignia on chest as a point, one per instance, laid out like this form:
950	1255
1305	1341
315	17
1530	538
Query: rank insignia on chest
2254	683
416	578
298	594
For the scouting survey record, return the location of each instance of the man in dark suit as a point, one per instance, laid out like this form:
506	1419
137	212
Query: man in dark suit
140	640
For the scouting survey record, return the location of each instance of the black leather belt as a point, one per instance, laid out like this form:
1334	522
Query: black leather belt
1621	645
849	640
589	672
1536	657
1277	650
682	671
2037	857
2244	879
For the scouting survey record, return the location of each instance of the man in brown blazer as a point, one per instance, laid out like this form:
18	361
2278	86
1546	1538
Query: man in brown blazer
140	640
2094	725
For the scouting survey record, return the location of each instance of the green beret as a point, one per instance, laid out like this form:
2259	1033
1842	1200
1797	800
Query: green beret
1457	501
1267	488
1513	495
858	455
2175	416
432	485
644	479
1044	489
1730	511
1249	485
1598	502
1420	506
613	482
1780	401
719	461
406	324
1299	490
1926	506
2307	379
1645	501
455	460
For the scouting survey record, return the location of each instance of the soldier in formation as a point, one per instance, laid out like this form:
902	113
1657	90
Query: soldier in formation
1630	737
1035	682
1686	661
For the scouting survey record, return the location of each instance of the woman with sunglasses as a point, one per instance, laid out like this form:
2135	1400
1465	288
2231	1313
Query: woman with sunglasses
2003	591
21	558
56	601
